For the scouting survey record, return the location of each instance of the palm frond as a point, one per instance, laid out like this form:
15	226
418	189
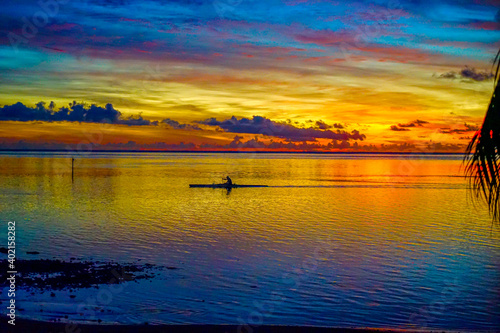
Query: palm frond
482	155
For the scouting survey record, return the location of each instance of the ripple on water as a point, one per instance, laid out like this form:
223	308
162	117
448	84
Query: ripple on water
334	241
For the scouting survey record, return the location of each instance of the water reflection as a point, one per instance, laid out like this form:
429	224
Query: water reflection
397	234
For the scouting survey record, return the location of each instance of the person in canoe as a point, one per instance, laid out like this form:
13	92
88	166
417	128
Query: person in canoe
228	182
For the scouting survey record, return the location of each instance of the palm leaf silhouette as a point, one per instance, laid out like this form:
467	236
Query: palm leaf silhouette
482	155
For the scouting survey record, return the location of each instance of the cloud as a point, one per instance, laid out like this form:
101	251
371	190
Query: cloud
467	128
397	147
398	129
449	75
440	147
420	122
265	126
81	112
405	127
414	123
322	125
75	112
175	124
256	144
137	121
471	127
468	73
471	73
187	107
237	144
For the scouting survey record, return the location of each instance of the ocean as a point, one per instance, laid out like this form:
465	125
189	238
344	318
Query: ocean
344	240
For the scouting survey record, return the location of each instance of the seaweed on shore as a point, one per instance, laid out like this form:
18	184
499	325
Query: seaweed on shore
52	274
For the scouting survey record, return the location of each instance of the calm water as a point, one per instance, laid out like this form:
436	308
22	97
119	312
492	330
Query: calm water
340	240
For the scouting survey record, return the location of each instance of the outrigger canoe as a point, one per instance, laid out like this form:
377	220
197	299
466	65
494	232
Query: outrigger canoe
225	185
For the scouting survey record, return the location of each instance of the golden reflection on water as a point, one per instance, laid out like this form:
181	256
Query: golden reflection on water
387	197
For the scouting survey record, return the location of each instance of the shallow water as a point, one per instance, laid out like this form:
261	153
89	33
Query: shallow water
335	240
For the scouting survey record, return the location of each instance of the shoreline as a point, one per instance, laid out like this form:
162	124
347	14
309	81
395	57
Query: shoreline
33	326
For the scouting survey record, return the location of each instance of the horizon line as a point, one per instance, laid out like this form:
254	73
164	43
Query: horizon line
230	152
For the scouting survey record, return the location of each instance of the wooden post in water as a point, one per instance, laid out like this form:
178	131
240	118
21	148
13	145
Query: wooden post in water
72	168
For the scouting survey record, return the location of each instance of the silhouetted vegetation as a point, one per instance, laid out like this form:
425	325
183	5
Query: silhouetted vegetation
482	153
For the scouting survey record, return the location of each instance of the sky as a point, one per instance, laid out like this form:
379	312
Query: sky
289	75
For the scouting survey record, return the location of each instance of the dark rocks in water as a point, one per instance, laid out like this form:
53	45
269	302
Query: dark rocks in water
54	274
52	295
4	250
72	296
33	252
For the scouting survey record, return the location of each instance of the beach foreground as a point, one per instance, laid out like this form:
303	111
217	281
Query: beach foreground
23	325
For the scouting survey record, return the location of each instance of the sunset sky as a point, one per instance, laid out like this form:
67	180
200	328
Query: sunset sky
390	75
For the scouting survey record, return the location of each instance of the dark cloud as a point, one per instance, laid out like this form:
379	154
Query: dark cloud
175	124
420	122
237	144
81	112
447	130
471	127
440	147
397	147
449	75
265	126
467	128
342	145
132	145
74	112
468	73
137	121
252	143
322	125
414	123
407	125
256	144
398	129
